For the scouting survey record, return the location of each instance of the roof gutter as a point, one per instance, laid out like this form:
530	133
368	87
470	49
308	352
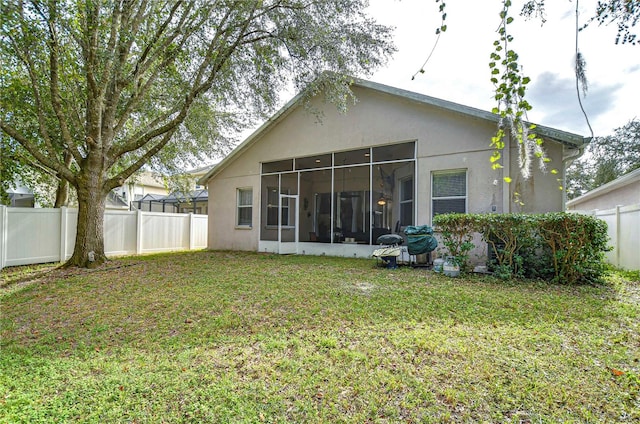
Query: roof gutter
567	161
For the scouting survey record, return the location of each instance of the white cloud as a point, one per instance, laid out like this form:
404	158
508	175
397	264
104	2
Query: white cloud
557	105
458	70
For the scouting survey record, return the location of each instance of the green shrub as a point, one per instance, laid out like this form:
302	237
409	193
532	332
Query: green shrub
559	247
577	244
507	236
457	231
536	259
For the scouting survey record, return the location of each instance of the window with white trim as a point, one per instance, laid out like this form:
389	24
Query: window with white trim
448	192
244	206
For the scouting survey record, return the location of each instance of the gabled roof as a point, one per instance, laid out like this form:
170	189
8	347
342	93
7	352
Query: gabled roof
570	139
201	170
114	200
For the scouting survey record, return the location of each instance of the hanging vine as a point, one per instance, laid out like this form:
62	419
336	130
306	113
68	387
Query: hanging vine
512	107
442	28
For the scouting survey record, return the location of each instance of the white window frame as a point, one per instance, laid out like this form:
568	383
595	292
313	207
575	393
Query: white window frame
466	189
239	206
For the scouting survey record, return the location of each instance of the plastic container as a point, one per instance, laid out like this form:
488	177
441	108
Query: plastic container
437	265
450	268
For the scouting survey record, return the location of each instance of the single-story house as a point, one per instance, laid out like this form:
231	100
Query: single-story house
622	191
300	184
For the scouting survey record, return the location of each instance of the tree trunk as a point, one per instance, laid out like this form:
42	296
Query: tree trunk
89	247
62	193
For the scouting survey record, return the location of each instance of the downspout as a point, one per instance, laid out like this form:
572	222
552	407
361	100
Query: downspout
567	161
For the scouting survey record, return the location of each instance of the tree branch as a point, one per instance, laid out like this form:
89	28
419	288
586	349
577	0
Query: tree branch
123	175
142	66
50	161
56	98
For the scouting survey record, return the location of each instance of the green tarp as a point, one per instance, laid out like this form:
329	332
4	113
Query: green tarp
420	239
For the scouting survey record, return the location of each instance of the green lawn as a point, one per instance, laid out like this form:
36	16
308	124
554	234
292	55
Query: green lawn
245	337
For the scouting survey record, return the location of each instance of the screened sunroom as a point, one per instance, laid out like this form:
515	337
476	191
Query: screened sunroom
347	197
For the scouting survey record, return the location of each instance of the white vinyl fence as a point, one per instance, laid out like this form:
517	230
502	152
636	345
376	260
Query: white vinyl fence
624	234
32	236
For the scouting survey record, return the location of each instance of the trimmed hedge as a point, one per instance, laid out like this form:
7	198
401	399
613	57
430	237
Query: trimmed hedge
560	247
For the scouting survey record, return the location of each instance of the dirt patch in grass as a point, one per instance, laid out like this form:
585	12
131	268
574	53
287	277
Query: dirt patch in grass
13	279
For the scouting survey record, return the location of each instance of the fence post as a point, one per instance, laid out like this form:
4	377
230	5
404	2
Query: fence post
3	235
63	233
191	231
618	236
138	232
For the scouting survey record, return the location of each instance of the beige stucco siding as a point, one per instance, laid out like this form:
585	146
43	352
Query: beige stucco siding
446	140
541	192
223	231
621	196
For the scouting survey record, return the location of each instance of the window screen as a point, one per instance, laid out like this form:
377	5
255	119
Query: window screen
245	206
449	192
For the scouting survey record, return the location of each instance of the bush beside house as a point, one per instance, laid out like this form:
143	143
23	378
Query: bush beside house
560	247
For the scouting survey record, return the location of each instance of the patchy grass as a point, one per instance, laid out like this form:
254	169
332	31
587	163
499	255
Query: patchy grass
246	337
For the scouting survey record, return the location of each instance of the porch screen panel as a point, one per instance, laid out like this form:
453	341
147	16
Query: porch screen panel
394	152
406	201
351	204
315	206
269	207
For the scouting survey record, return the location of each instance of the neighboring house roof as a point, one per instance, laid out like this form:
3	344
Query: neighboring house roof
570	139
19	189
115	201
192	196
630	178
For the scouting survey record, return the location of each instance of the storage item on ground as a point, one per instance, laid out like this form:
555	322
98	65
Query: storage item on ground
450	268
389	255
390	239
437	265
420	239
389	249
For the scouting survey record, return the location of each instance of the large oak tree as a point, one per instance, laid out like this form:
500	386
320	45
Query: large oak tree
92	90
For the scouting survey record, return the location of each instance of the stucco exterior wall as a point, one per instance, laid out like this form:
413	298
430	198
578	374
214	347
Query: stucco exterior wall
621	196
445	140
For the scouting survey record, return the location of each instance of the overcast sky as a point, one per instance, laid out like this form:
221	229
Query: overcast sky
458	70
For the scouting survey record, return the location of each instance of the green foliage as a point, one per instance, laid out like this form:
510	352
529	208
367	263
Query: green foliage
626	13
577	244
507	235
456	230
115	86
442	28
512	107
605	159
561	247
